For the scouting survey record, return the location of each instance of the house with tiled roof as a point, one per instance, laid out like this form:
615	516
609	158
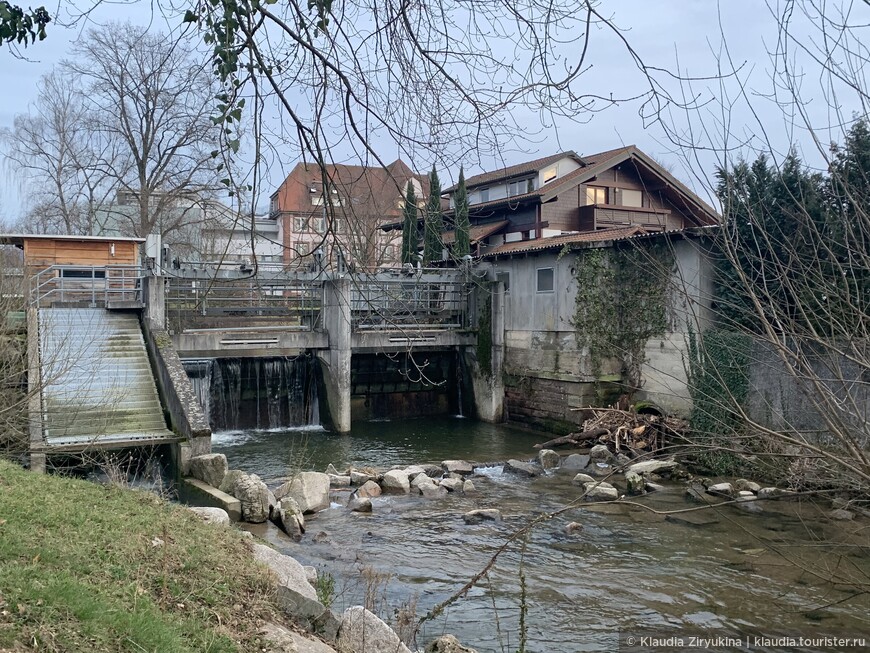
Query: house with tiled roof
337	210
566	195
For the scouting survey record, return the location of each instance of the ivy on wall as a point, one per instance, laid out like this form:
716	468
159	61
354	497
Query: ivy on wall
622	299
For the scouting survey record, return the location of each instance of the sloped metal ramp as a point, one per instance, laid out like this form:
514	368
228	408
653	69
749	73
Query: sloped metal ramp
97	388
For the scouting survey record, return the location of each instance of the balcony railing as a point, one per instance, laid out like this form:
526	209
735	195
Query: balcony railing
93	285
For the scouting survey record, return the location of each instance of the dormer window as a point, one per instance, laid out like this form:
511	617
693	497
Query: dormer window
549	174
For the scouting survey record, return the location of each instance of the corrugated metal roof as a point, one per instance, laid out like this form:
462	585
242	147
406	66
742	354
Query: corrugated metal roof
553	242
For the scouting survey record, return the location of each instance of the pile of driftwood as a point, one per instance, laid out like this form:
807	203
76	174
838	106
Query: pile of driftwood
622	430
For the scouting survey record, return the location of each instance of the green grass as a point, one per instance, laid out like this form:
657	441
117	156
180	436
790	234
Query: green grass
85	567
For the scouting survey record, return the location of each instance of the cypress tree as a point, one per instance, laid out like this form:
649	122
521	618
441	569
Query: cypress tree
409	226
433	222
462	226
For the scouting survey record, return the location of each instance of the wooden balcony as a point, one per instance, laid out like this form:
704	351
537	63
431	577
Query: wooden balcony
607	216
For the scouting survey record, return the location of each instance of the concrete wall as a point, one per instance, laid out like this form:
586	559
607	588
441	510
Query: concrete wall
548	377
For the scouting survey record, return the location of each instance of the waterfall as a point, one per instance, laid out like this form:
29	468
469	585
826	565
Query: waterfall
459	381
257	393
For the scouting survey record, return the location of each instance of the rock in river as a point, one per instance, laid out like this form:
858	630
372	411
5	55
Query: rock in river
209	468
523	469
600	491
481	515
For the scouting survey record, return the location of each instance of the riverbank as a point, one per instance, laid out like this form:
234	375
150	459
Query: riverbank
85	567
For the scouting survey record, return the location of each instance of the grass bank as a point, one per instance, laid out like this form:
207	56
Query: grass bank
90	568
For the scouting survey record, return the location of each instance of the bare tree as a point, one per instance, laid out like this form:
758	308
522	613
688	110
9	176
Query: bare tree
121	139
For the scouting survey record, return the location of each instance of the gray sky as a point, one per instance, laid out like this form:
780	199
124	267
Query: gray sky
682	35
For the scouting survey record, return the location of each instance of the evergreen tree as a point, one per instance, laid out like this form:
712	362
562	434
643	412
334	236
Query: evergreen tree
462	227
433	222
409	226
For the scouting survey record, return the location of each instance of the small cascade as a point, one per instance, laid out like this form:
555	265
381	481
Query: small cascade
257	393
459	383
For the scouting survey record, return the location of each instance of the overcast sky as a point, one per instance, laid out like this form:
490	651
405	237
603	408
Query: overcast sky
667	33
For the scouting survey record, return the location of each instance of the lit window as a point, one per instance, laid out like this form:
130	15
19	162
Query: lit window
596	195
545	280
549	174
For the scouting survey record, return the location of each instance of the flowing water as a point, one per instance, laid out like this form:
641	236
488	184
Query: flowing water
627	570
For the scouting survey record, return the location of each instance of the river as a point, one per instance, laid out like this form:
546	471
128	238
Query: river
628	570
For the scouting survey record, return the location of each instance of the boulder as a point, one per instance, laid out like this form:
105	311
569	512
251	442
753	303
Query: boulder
254	496
468	487
368	490
288	572
296	597
481	515
634	483
457	466
840	514
573	527
575	461
721	490
741	484
600	491
745	495
600	469
772	493
363	632
396	480
447	644
653	487
750	506
452	484
309	489
337	480
305	645
419	480
230	479
359	478
291	518
413	471
217	516
549	459
277	639
521	468
622	460
581	478
600	453
210	468
310	574
661	467
432	471
274	507
431	491
360	504
696	492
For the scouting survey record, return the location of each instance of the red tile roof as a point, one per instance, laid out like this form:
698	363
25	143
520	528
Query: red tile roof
513	171
552	242
476	233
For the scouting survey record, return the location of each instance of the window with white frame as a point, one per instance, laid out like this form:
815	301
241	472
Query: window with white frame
300	224
546	280
595	195
484	194
302	248
521	186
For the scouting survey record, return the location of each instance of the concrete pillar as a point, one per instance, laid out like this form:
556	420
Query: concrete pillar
154	296
335	361
488	389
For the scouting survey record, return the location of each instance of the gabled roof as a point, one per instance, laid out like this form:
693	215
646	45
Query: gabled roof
476	233
554	242
515	170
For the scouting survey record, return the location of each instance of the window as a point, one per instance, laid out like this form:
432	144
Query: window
630	197
273	204
484	194
521	186
319	225
545	280
302	248
596	195
83	274
505	278
549	174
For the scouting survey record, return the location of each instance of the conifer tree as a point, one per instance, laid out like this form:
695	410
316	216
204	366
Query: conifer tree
462	243
433	221
409	226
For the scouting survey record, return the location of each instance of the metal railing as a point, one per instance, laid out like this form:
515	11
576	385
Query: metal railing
95	285
255	302
386	304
